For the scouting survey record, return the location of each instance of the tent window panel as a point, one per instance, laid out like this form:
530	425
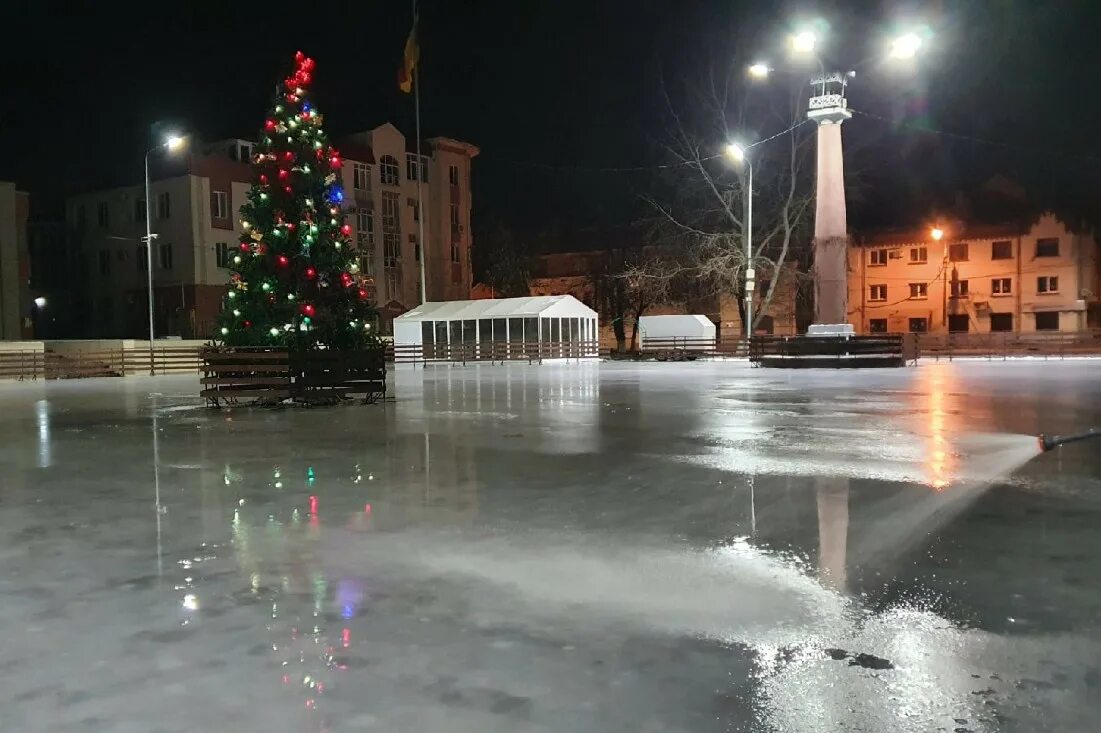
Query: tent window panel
441	332
516	330
531	330
499	330
470	332
544	328
556	329
427	332
485	330
456	332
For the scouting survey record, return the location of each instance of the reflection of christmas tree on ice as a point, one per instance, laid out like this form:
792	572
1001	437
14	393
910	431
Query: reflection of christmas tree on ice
295	281
285	565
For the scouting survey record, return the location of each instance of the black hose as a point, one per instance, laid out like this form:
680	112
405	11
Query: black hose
1047	442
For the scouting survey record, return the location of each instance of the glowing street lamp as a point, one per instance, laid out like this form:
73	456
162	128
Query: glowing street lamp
759	70
804	42
905	46
40	302
171	144
936	233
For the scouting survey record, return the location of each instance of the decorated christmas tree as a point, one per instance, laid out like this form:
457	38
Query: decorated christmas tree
295	282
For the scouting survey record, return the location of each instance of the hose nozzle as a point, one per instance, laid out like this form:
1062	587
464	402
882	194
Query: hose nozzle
1047	442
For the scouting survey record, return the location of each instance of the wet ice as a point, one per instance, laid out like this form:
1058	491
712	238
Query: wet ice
583	547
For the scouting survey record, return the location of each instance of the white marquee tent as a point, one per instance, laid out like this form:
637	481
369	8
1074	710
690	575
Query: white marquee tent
548	319
693	328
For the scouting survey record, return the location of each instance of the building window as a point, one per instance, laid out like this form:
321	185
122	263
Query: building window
221	254
1002	250
139	211
1047	284
242	153
388	170
391	248
959	323
877	292
919	291
361	176
1048	321
104	262
455	254
877	258
1001	286
919	255
390	212
453	175
392	290
365	226
1048	247
959	289
166	256
919	325
416	247
413	171
365	239
103	215
143	258
164	208
877	325
412	202
1001	322
219	205
456	228
957	252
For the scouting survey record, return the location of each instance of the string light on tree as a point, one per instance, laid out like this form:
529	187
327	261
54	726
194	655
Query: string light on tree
297	257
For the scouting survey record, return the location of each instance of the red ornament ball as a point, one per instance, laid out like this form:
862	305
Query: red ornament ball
308	64
244	246
291	227
346	279
291	98
309	310
288	189
288	156
248	324
263	179
282	260
362	294
346	230
269	125
299	57
311	273
334	163
284	174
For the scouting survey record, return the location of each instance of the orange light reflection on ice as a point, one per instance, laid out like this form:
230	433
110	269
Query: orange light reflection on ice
939	462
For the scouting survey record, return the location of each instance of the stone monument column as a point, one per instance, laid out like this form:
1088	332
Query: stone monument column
831	233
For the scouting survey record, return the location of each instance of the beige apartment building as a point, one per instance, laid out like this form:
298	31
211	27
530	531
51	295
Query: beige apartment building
1037	277
197	193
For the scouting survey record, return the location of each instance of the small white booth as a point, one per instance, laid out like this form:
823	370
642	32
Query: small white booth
546	325
669	331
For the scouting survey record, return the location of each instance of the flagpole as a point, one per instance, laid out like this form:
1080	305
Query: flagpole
420	164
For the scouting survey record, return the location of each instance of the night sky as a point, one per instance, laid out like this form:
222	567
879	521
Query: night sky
553	91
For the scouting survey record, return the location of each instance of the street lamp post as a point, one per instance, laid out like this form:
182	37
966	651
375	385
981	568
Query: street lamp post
170	144
738	154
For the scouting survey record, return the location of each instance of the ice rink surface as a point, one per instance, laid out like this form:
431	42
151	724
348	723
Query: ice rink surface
567	547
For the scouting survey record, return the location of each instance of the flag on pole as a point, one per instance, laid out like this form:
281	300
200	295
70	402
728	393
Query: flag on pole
409	60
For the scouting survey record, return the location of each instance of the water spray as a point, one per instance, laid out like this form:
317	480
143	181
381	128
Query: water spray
1047	442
